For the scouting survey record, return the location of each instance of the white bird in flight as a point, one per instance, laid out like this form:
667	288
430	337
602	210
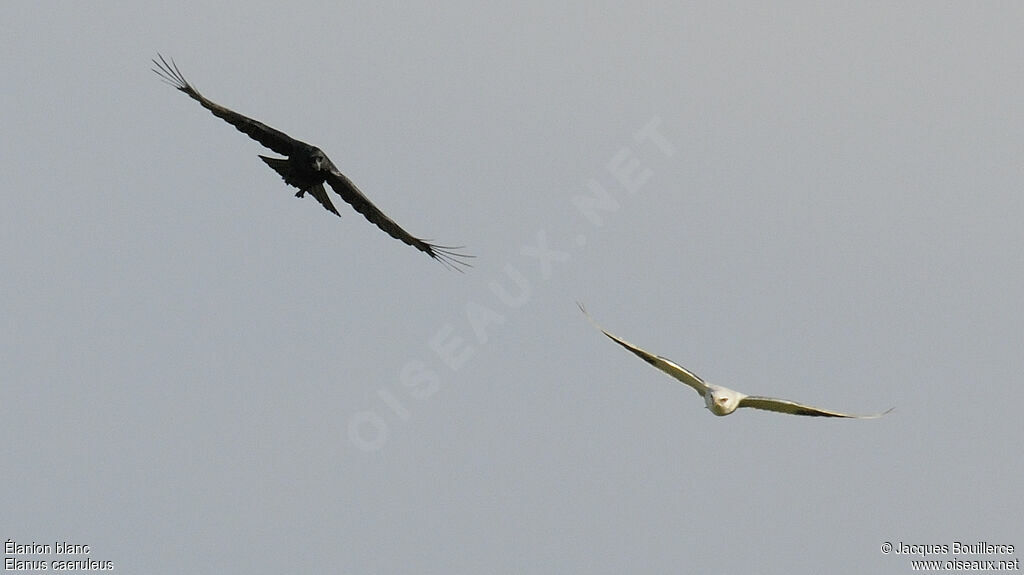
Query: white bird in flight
722	400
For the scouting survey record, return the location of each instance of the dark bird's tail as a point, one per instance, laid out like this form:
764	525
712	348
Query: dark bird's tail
284	167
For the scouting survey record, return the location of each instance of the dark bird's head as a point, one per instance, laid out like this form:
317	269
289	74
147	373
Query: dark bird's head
317	160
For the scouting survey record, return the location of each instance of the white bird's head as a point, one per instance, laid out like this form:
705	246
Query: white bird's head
722	401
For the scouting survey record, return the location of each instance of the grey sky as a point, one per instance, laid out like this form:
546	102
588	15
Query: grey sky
201	373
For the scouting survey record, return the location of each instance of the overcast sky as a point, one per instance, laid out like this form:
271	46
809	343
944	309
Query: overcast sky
200	373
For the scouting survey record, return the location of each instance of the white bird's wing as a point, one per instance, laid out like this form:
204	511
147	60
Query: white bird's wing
792	407
664	364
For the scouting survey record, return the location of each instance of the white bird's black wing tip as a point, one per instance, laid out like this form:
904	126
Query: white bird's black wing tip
583	309
594	321
873	416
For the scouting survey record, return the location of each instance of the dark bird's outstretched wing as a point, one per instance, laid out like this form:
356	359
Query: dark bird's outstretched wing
794	408
351	194
274	139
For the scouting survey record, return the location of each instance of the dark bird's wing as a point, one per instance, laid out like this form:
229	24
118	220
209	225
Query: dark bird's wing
794	408
275	140
351	194
663	363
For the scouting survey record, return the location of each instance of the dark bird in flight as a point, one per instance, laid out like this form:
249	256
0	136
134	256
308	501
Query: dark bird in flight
307	168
